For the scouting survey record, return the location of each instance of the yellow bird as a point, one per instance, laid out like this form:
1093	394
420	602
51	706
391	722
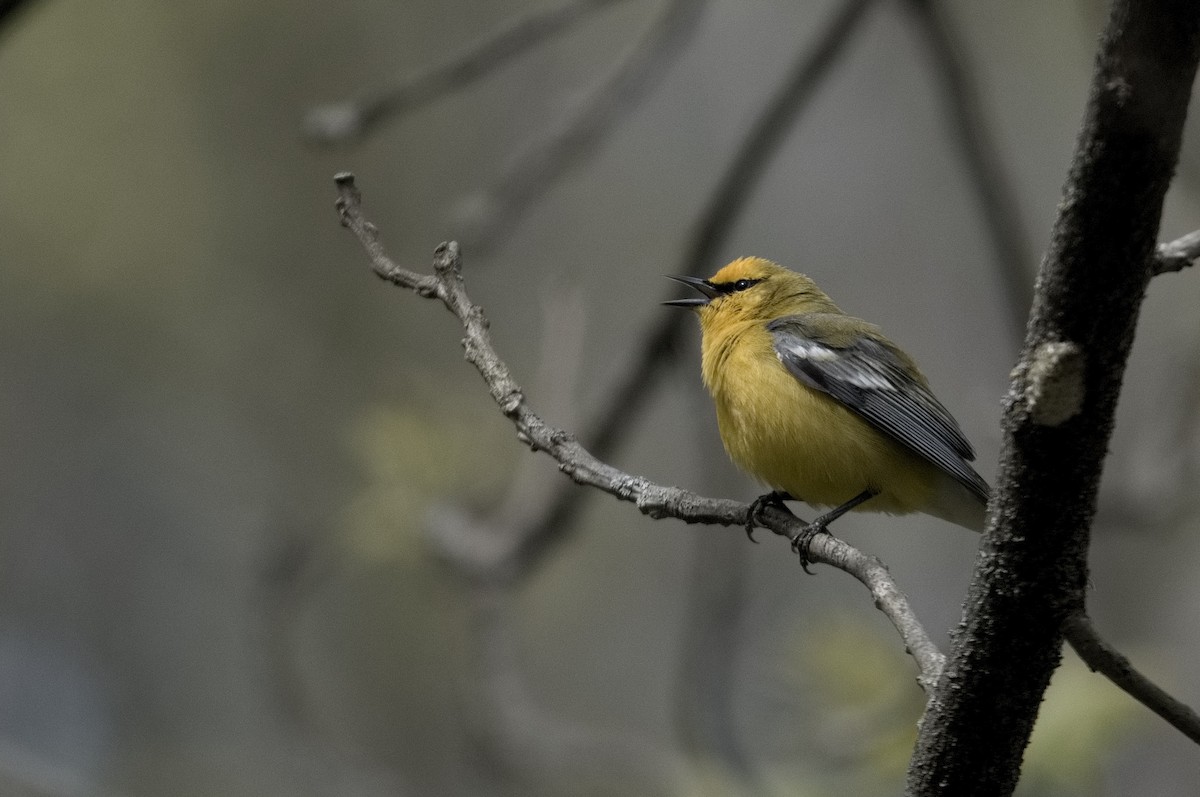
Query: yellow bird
822	407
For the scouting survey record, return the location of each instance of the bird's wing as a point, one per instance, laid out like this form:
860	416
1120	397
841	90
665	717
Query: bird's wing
874	379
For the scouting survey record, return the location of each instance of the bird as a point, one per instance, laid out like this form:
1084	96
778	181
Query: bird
822	407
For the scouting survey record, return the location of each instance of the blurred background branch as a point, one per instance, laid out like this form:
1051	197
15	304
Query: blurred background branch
490	215
999	210
348	122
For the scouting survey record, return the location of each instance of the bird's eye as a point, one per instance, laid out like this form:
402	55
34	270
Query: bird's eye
733	287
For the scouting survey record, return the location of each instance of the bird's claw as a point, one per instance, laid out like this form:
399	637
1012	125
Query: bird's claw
802	543
774	498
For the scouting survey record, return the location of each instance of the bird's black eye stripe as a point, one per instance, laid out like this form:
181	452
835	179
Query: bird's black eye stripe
734	287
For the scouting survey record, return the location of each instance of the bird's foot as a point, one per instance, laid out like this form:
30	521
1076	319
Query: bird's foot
773	498
802	541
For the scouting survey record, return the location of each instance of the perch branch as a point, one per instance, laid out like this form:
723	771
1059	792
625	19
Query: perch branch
657	501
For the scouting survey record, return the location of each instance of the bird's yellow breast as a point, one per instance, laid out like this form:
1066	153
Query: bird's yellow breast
798	439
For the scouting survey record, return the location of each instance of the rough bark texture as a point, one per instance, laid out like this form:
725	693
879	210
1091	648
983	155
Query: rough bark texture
1032	571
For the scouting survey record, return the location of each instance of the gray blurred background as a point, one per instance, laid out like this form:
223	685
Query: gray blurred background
239	475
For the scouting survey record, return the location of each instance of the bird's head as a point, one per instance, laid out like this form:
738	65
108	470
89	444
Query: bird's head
753	289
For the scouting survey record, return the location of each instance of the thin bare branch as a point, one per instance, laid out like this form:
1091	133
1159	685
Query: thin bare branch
492	213
351	120
1103	658
1177	255
657	501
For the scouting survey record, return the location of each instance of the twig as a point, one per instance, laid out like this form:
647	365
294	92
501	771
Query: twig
1176	255
999	210
657	501
493	212
1104	658
351	120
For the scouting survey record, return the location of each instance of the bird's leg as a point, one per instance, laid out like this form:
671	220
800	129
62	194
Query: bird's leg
773	498
804	538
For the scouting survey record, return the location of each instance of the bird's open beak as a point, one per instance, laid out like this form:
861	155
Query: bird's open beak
701	285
